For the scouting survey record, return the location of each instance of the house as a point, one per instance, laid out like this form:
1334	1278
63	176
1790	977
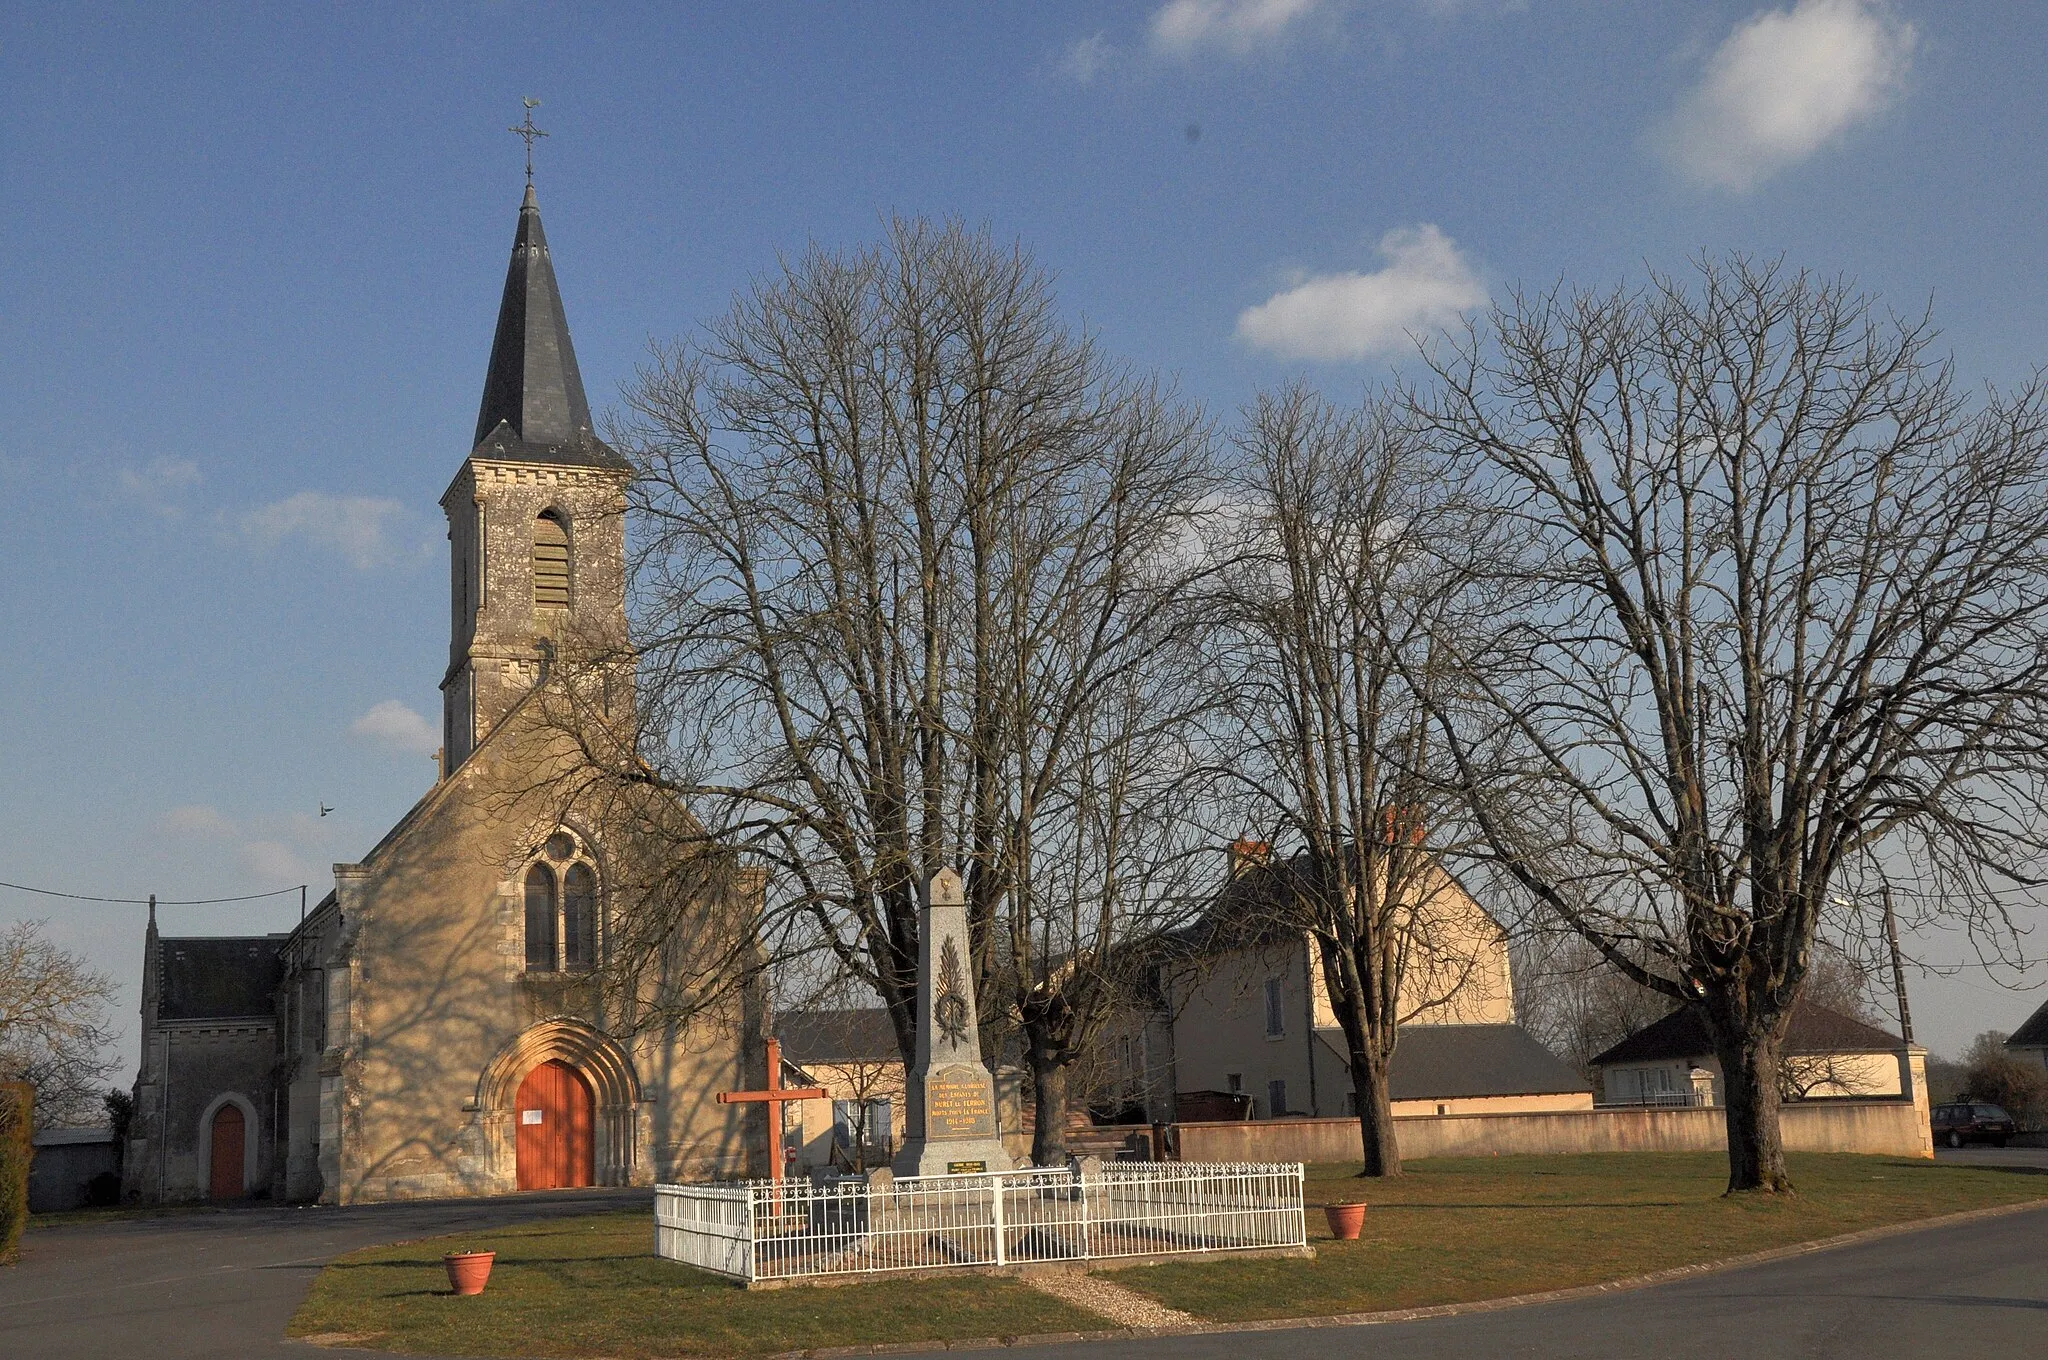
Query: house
1247	1015
437	1024
852	1053
2030	1041
1826	1056
73	1168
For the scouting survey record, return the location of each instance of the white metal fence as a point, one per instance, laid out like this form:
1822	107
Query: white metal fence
763	1230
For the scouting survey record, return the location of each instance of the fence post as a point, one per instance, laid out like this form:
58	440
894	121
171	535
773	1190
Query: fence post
996	1184
753	1244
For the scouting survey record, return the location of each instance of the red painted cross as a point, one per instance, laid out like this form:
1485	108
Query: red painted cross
775	1097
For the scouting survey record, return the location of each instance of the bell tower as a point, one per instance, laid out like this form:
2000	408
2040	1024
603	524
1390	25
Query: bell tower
536	518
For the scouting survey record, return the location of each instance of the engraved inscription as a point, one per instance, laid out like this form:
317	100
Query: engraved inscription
958	1104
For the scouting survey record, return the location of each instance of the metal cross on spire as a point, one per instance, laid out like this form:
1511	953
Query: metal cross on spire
529	132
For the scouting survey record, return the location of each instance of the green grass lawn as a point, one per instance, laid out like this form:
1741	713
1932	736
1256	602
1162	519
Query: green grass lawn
593	1287
1448	1231
1455	1230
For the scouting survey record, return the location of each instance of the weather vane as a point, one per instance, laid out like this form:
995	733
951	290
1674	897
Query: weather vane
529	132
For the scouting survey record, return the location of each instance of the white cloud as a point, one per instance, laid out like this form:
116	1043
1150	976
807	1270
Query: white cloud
392	725
1183	27
274	862
197	819
1425	286
361	528
1783	85
158	483
1088	58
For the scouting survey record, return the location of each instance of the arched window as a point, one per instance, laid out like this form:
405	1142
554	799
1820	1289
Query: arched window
551	581
579	918
540	919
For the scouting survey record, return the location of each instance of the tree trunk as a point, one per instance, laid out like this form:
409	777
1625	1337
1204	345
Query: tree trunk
1382	1154
1049	1092
1756	1147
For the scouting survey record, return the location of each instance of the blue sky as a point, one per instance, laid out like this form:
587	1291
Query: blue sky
252	257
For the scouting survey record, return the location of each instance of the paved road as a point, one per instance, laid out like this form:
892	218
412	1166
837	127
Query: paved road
1976	1289
223	1285
219	1284
1980	1155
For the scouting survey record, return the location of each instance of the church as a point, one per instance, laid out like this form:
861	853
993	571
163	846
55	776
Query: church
445	1022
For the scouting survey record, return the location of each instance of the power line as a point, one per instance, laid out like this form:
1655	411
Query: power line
160	901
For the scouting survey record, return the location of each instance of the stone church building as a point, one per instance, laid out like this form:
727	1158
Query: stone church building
436	1026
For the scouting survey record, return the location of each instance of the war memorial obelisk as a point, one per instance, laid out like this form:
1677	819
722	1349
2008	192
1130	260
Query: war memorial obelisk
952	1115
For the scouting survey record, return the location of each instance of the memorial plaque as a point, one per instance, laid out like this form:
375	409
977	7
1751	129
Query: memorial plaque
965	1168
959	1104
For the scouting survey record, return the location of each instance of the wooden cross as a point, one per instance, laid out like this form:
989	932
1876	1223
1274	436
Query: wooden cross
529	132
775	1097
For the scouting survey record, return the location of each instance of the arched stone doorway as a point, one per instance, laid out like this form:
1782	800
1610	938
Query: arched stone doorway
553	1144
226	1168
605	1071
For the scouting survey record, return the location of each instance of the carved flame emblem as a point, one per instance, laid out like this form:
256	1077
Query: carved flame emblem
950	1007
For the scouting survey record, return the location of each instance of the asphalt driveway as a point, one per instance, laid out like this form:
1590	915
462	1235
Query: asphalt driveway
221	1283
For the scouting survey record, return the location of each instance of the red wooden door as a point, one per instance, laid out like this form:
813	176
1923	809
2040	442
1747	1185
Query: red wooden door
555	1113
224	1181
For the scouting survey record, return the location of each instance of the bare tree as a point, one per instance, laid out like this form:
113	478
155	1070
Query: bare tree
53	1031
898	531
1579	1005
1349	547
1784	621
1575	1002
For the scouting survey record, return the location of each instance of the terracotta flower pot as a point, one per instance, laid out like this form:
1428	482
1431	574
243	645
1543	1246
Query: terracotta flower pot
1345	1220
467	1270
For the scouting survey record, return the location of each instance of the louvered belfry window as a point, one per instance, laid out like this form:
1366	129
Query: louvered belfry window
550	562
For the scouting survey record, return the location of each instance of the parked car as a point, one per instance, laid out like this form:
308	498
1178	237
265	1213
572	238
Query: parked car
1956	1125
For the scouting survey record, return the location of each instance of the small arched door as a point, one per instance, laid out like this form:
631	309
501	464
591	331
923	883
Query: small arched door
230	1131
555	1113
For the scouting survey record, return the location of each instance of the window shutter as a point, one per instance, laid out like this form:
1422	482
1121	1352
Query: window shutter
550	562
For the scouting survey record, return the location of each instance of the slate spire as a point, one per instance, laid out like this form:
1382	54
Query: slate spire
533	393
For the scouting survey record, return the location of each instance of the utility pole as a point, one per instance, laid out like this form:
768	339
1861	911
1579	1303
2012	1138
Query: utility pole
1891	934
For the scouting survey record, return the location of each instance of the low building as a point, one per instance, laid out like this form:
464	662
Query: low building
852	1053
2029	1042
73	1168
1250	1017
1826	1056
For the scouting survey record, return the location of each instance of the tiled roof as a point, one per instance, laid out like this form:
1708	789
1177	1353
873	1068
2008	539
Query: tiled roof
837	1036
1814	1029
1448	1062
2034	1032
219	977
534	408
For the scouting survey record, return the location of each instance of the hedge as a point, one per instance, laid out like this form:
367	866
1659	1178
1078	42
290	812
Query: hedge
17	1128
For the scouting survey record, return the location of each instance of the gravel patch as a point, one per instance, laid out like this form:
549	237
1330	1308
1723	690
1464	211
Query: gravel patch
1125	1307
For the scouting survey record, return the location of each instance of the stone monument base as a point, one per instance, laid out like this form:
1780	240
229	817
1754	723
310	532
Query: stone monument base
950	1157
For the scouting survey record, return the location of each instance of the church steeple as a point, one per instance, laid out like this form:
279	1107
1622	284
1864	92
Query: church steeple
534	408
536	521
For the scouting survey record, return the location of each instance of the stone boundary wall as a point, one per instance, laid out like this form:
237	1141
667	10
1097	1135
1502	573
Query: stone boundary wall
1897	1128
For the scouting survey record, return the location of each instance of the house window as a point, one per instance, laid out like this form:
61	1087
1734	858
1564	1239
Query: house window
1276	1010
1276	1097
1234	1081
861	1124
561	910
551	580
